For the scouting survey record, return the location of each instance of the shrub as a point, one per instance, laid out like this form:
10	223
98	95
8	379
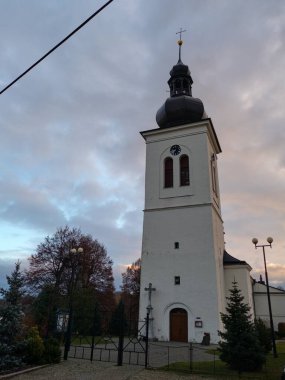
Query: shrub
281	329
8	359
52	352
35	347
264	335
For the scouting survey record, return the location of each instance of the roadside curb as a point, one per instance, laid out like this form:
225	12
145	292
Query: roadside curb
10	375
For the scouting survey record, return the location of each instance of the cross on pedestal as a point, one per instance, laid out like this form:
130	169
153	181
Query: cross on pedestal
150	289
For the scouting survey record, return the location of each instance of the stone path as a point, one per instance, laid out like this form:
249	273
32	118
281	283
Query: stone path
160	355
74	369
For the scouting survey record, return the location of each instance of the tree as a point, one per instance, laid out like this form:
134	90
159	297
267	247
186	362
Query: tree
131	291
11	317
131	279
240	347
118	323
87	319
53	262
57	271
264	335
35	347
43	310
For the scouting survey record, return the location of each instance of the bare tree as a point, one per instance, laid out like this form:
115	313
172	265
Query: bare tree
131	289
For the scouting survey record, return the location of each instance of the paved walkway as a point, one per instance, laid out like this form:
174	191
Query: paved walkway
160	354
74	369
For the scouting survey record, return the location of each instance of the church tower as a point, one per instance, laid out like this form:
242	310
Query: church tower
182	281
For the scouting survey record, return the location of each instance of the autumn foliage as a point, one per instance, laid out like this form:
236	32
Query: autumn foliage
59	268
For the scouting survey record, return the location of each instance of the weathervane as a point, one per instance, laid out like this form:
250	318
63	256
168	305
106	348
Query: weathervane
180	42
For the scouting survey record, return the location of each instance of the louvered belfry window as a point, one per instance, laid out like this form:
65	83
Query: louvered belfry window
184	171
168	172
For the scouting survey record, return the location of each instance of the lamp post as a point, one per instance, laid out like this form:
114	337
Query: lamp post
73	253
269	240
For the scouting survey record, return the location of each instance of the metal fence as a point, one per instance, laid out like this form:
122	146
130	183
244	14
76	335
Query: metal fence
111	337
196	359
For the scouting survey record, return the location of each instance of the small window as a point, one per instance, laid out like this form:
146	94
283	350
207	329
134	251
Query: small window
176	245
184	170
168	172
214	174
178	84
177	280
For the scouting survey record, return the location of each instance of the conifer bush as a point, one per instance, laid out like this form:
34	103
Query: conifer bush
281	329
34	347
52	353
11	317
264	335
240	347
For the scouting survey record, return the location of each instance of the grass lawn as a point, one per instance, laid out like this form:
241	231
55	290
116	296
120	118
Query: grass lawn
218	369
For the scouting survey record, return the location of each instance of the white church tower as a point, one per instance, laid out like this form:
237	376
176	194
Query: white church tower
183	239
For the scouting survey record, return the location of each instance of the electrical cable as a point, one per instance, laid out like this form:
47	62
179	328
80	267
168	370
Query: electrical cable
56	46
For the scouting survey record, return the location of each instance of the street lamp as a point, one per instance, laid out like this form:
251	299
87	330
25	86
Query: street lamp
73	253
255	242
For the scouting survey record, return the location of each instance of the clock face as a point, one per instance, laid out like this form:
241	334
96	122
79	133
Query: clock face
175	150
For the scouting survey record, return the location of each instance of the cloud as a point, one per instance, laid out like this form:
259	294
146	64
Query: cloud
276	274
70	145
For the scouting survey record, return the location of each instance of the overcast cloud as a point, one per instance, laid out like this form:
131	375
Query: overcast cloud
70	147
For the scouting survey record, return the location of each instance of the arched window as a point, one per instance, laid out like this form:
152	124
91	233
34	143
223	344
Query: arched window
168	172
184	170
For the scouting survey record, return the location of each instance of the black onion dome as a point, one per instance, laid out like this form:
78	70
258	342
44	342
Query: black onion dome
179	110
179	69
180	107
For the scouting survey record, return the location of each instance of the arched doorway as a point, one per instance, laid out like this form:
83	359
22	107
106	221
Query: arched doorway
178	325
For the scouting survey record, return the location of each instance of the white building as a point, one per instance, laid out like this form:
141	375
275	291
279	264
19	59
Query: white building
277	297
183	255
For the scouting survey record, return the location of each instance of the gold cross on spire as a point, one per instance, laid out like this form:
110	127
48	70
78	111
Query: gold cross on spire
180	32
180	42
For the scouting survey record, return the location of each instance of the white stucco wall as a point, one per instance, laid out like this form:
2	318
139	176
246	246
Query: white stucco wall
277	297
240	274
189	215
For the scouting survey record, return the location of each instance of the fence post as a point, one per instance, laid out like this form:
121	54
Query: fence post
121	335
68	332
191	356
93	332
168	357
146	340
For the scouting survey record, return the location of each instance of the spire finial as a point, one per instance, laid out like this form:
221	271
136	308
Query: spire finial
180	42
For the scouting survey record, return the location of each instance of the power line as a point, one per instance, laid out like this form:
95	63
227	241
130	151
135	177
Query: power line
56	46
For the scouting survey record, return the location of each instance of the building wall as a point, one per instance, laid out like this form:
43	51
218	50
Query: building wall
277	298
188	215
240	274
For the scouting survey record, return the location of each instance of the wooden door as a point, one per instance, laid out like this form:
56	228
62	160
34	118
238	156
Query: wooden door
178	325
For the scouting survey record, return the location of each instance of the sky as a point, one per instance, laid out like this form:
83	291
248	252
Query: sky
70	148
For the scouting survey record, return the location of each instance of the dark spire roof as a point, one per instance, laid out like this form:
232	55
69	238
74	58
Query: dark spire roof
230	260
181	107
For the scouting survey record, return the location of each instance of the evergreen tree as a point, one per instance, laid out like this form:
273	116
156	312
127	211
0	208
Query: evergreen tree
240	347
118	323
264	335
11	317
131	292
